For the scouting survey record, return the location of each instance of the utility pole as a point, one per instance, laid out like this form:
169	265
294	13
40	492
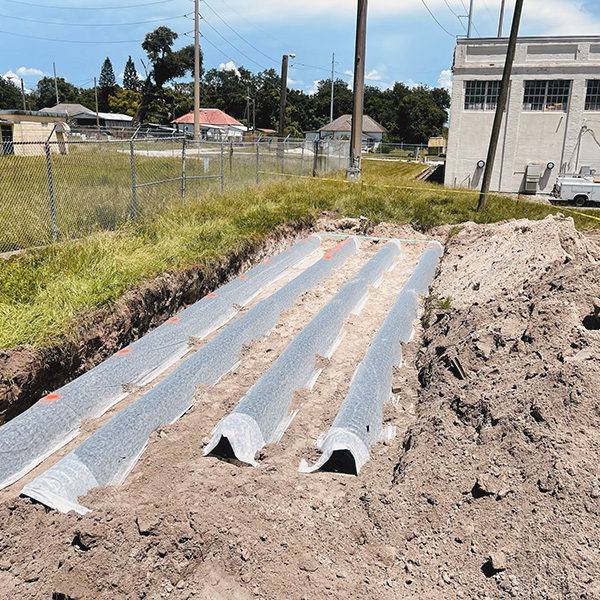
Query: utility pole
500	23
353	171
97	116
196	71
332	73
470	27
284	70
248	108
55	84
23	94
510	57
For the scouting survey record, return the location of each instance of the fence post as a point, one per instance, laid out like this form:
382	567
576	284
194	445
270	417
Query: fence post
316	157
257	160
51	190
302	159
222	169
183	171
133	186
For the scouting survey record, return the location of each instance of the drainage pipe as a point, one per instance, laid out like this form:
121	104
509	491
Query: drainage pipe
357	426
261	416
107	457
53	421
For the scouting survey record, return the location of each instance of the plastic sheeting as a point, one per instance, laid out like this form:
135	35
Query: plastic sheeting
357	426
261	416
108	455
54	420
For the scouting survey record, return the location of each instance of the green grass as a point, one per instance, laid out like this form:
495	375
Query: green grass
44	289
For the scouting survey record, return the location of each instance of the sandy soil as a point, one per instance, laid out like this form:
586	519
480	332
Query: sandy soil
491	488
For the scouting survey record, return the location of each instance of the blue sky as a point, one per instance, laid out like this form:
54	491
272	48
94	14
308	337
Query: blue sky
404	41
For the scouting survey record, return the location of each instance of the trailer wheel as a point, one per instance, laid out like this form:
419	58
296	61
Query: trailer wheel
580	200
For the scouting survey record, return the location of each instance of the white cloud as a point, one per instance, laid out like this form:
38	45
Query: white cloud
229	66
314	87
445	79
26	71
373	75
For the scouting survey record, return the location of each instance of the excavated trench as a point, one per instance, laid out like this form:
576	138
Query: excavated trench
28	373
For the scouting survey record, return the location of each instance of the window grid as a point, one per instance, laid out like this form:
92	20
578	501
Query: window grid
592	98
546	95
481	95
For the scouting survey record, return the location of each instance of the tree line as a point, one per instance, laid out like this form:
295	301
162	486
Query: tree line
410	114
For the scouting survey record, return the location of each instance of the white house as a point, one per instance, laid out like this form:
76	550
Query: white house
372	132
552	120
215	125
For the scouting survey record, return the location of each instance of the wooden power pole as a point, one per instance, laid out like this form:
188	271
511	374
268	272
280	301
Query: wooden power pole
353	171
510	57
283	96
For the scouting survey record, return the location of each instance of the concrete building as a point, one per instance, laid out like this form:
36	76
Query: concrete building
552	121
23	132
215	125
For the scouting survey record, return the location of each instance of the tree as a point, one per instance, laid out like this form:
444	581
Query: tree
124	102
166	65
420	116
10	95
107	84
45	96
131	81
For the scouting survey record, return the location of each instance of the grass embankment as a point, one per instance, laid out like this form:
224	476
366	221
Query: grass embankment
41	291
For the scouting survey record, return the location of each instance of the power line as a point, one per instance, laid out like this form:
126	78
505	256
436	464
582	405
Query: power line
33	37
251	23
89	7
455	14
434	18
234	47
236	33
91	24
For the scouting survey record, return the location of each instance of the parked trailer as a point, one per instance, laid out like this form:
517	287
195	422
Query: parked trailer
577	190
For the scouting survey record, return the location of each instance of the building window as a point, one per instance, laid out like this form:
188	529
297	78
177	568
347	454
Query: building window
546	95
481	95
592	99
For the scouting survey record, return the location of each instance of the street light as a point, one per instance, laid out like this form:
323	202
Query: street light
284	69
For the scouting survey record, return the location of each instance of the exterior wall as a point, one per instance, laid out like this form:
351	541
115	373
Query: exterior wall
32	128
527	137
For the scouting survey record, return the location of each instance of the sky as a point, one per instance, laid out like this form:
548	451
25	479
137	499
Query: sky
411	41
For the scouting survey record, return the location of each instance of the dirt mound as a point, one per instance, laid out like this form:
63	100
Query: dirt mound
501	468
490	490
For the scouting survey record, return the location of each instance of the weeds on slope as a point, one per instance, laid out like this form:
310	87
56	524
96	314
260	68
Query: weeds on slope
42	290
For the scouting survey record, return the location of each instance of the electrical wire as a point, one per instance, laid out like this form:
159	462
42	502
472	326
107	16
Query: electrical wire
88	7
455	14
91	24
234	47
33	37
248	21
215	47
472	22
434	18
236	33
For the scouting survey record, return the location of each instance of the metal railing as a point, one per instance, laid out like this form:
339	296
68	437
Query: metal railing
53	190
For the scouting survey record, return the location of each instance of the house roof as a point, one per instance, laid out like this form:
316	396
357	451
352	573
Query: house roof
344	123
103	115
68	109
209	116
33	113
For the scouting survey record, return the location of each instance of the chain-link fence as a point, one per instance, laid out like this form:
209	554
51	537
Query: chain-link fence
58	190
